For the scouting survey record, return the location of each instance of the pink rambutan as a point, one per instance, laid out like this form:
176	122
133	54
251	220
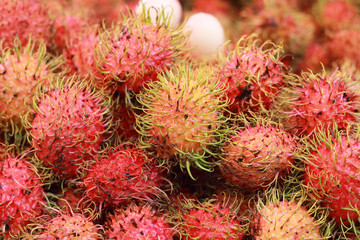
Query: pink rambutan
253	74
210	219
24	19
66	28
65	225
23	71
257	154
332	172
80	52
344	46
315	100
336	15
22	198
68	125
132	53
121	174
315	57
281	24
139	222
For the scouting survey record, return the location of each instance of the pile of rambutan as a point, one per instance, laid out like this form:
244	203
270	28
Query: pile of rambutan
159	119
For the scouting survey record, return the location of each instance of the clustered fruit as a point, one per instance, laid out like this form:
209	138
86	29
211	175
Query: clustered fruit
158	119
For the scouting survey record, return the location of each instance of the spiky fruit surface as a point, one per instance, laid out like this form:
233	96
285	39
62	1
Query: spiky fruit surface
343	46
80	52
69	199
139	222
316	55
209	220
253	74
24	19
318	99
21	195
132	53
22	71
122	174
124	114
285	220
71	226
332	174
257	156
68	125
66	27
182	117
281	24
337	14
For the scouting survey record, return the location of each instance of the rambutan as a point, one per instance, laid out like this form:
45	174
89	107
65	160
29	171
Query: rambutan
332	172
66	28
139	222
24	19
122	174
282	25
23	71
315	57
336	15
22	198
68	124
80	52
209	219
257	154
253	74
280	218
315	100
65	225
343	46
133	52
182	120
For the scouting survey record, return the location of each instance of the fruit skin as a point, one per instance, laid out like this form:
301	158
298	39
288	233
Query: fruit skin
22	197
316	56
281	24
331	172
66	225
80	53
132	53
283	219
336	14
257	154
139	222
122	174
320	99
210	219
253	74
24	19
182	120
68	125
343	46
23	70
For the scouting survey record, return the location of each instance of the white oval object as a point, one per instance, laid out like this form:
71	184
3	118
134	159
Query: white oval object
172	9
207	34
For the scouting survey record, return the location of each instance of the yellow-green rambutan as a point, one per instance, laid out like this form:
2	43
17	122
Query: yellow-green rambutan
183	119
